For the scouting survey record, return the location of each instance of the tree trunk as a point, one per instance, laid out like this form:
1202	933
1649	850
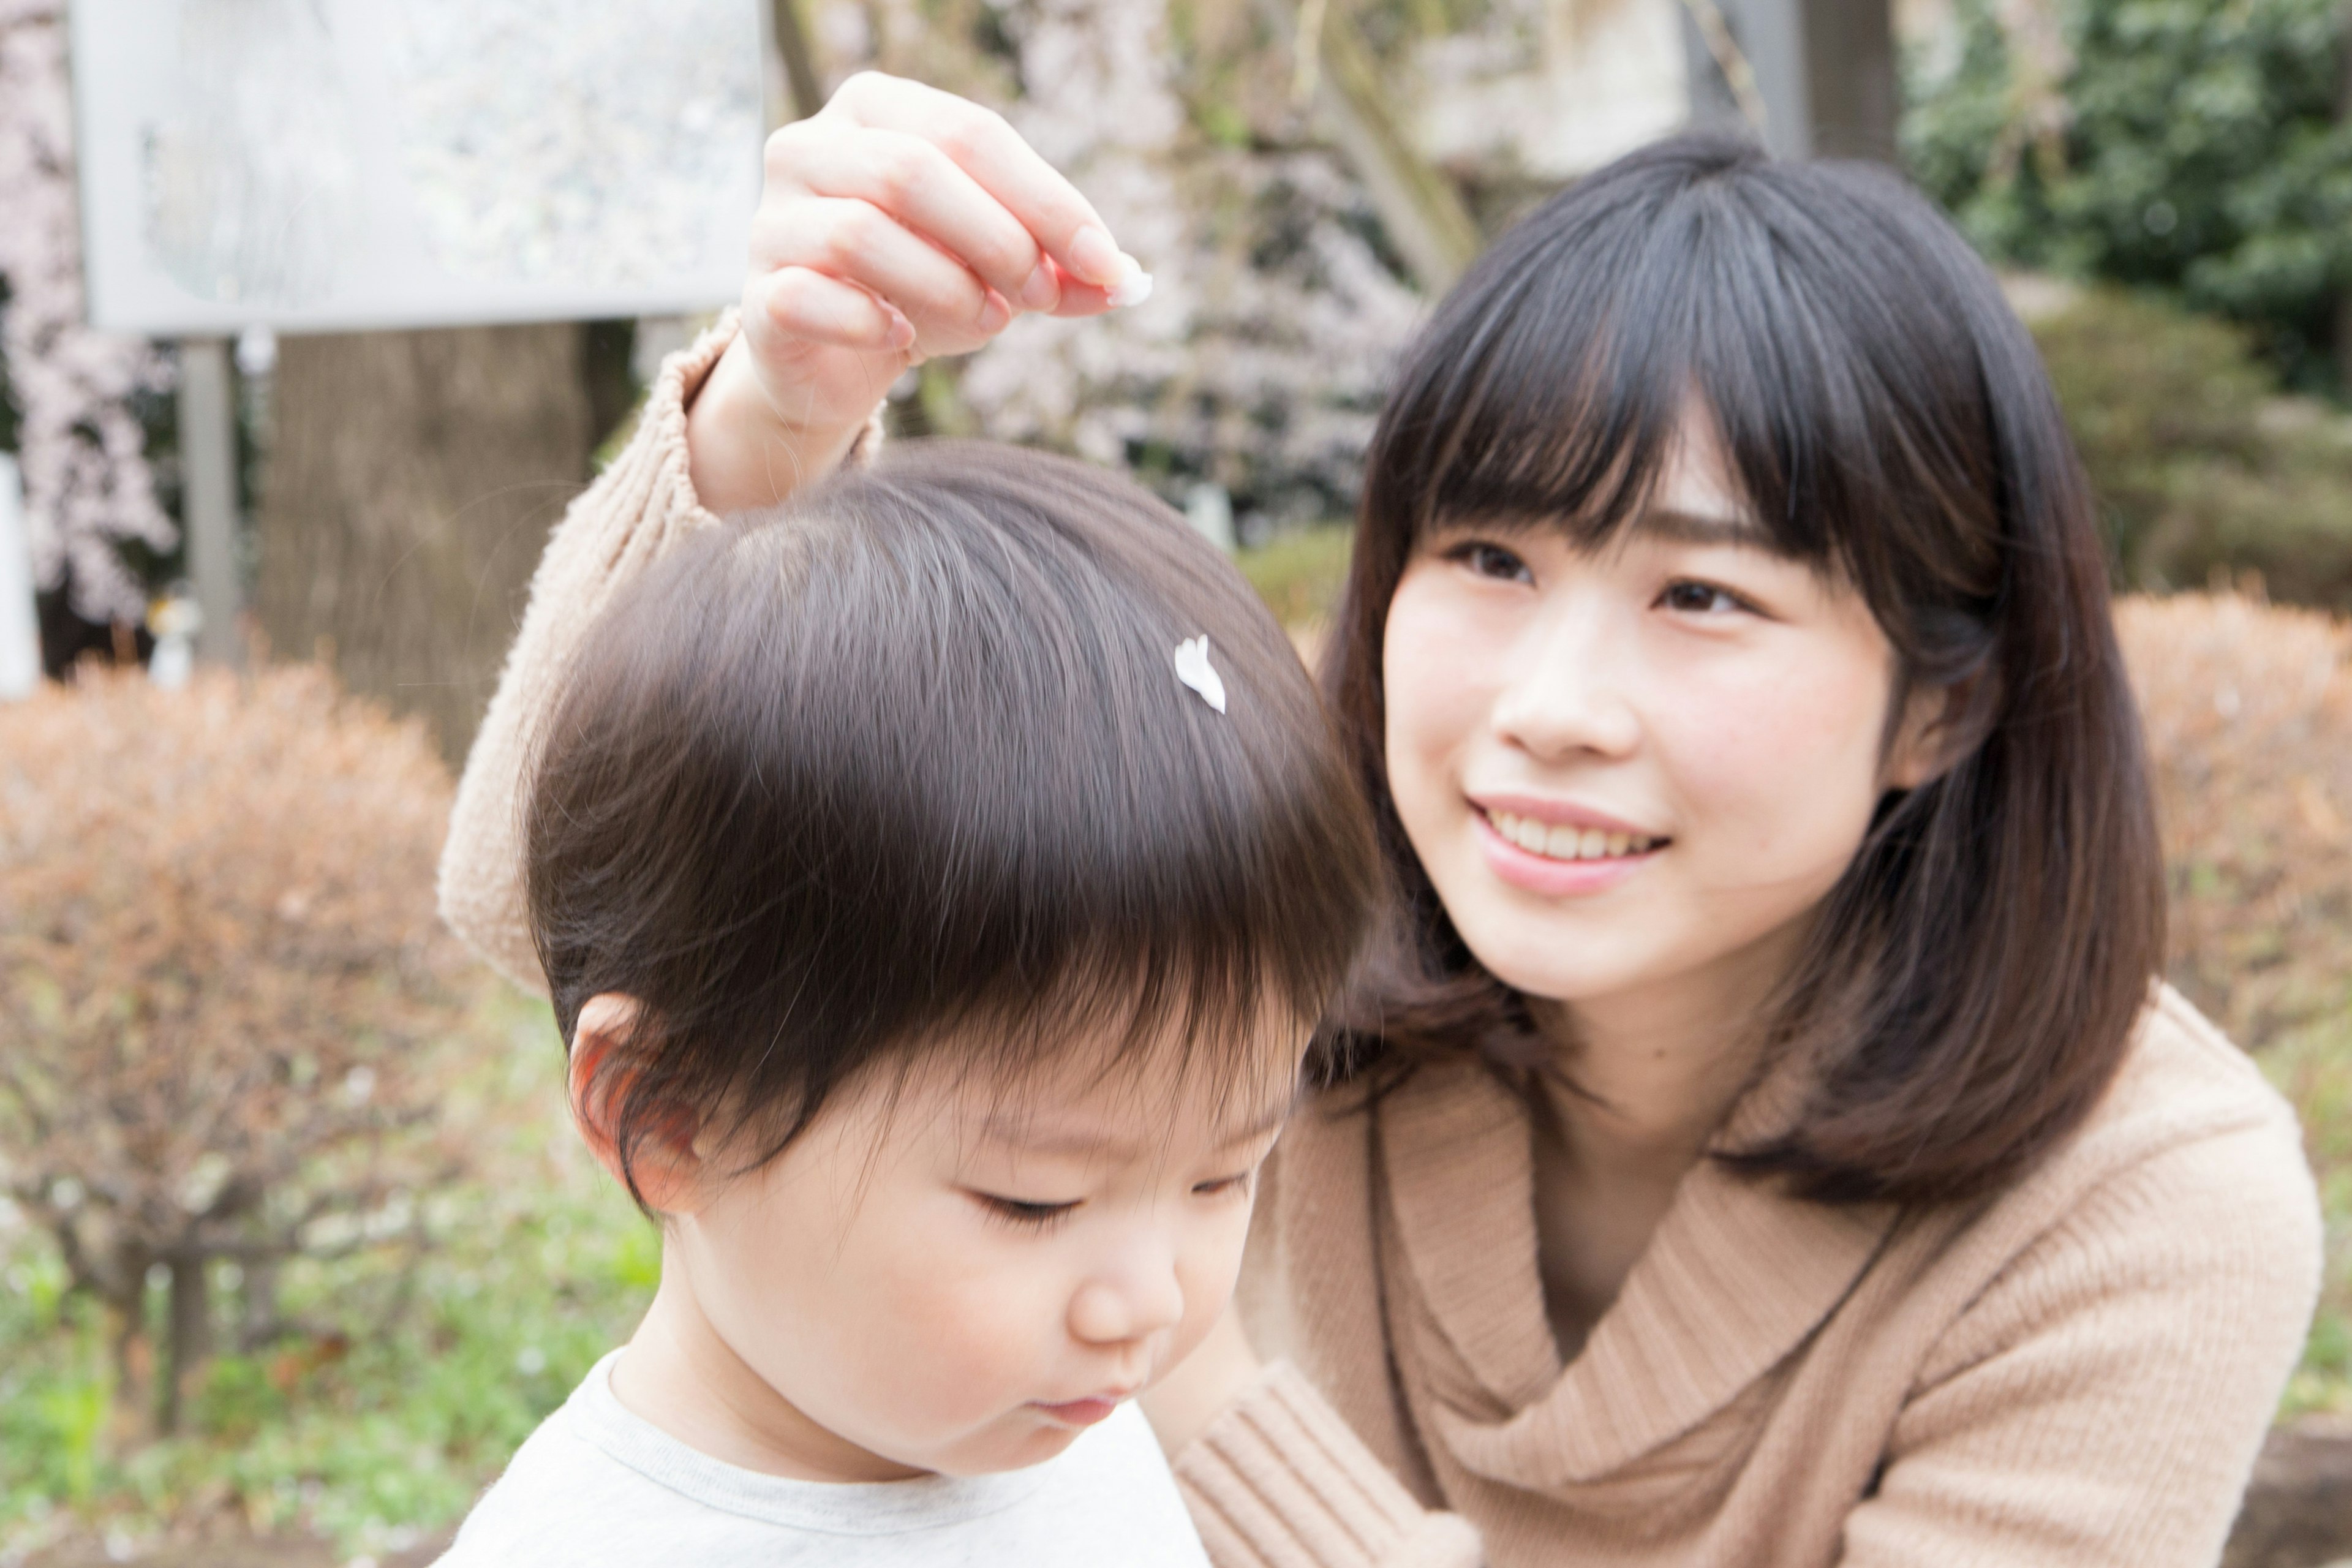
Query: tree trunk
798	52
1850	76
257	1323
189	1339
413	478
123	1294
1418	205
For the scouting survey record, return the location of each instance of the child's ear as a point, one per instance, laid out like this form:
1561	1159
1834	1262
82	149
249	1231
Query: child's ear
1940	726
667	1169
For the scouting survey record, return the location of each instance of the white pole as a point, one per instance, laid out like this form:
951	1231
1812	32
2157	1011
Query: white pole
20	630
208	461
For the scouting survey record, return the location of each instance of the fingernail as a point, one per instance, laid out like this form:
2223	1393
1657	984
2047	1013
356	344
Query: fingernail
1095	258
1134	288
994	312
1041	292
902	331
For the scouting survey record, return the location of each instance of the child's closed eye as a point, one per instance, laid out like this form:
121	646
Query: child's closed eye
1022	1212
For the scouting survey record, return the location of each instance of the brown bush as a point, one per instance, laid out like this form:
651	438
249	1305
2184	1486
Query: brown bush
226	1002
2249	714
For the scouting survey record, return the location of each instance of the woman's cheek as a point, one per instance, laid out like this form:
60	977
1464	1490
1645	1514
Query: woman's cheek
1438	656
1779	762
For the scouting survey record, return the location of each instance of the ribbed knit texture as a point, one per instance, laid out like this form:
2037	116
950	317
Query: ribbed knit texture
2075	1373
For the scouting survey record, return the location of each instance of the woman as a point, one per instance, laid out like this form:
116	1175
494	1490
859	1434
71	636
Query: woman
1762	1138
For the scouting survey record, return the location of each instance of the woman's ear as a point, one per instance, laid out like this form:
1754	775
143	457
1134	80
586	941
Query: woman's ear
663	1158
1940	726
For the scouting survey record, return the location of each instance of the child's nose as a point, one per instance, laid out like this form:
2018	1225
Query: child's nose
1132	1304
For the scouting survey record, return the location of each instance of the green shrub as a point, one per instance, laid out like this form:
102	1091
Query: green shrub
2192	146
2202	468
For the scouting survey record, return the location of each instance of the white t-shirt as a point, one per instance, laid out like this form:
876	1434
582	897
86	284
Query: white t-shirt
596	1487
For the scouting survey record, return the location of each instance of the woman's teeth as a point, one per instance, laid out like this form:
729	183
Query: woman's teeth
1554	843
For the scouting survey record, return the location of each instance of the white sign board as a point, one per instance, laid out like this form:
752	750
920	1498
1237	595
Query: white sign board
20	631
329	164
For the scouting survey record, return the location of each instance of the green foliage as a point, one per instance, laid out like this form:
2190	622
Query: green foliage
398	1394
2199	464
2313	1068
2191	145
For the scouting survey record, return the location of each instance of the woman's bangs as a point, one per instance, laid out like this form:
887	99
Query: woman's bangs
1564	410
1563	422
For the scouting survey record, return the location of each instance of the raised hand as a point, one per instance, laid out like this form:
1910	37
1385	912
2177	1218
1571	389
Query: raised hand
897	224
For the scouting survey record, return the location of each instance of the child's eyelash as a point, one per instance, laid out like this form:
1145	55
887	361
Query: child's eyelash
1017	1211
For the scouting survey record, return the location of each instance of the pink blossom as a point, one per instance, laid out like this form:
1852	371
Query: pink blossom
86	483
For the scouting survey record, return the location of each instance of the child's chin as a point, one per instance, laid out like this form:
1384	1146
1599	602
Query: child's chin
1016	1450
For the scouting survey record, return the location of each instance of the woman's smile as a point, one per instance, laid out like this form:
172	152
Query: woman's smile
1558	850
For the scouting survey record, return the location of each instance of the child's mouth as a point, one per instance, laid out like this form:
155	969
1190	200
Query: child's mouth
1078	1412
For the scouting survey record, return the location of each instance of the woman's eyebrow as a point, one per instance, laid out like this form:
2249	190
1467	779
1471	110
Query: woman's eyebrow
1733	530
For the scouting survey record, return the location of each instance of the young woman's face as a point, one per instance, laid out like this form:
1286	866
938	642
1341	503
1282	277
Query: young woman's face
1642	767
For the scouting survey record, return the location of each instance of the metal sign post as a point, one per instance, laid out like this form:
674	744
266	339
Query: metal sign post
20	632
208	501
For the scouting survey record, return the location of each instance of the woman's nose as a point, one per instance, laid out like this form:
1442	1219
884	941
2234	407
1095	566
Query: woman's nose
1134	1301
1568	690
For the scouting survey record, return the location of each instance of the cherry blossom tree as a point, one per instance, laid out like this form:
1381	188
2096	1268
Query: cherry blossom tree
1257	364
88	487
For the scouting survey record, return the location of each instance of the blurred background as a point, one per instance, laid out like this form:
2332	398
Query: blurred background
314	316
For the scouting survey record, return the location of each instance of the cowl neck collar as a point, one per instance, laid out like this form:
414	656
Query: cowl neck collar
1737	1276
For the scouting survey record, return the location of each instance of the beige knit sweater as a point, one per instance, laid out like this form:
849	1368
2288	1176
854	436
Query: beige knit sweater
2077	1372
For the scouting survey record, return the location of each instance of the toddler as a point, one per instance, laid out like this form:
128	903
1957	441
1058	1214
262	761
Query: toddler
936	924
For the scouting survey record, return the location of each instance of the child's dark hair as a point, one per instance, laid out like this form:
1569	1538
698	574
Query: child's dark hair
1972	982
908	759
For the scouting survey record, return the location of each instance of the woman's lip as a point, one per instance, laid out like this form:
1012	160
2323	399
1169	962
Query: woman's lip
1080	1411
1559	814
1553	879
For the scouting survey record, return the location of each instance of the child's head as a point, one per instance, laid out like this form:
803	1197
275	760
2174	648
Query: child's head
1727	640
930	957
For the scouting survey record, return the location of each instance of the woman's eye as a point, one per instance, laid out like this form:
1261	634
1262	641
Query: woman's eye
1700	599
1021	1212
1493	561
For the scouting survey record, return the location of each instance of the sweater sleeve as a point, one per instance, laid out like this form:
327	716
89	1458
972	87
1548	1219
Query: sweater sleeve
1279	1481
637	508
2103	1402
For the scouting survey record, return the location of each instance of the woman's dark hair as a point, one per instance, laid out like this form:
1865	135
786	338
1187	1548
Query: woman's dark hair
1973	981
908	762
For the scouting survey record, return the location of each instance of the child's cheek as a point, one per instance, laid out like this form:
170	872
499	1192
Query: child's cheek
969	1317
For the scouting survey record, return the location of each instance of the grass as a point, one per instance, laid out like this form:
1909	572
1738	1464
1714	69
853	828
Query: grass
2313	1067
1299	574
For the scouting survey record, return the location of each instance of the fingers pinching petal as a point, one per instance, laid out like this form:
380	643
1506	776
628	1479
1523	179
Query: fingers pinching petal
859	243
806	304
1037	195
914	182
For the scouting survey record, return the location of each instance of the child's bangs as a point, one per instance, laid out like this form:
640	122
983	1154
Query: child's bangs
909	769
1221	1020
